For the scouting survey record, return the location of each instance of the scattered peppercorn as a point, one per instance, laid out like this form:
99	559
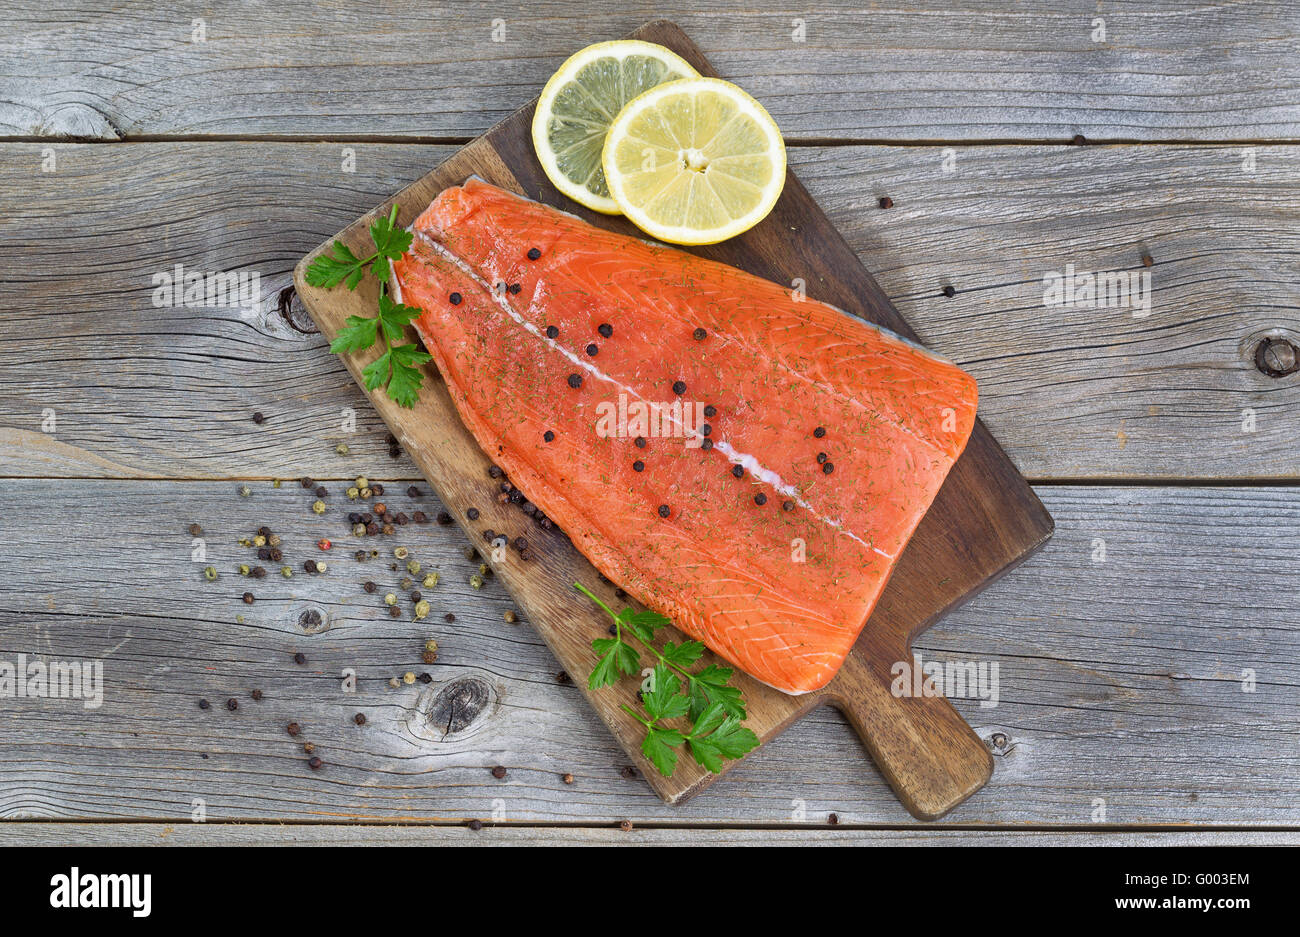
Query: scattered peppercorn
195	530
828	467
359	719
1147	260
533	253
259	572
300	658
308	747
232	704
700	335
210	573
760	499
421	610
258	418
315	763
472	514
454	299
515	287
256	694
475	825
886	202
787	505
248	598
821	458
679	387
286	572
394	612
309	566
408	678
293	728
566	778
638	466
626	826
510	617
819	432
318	507
575	381
592	349
499	772
950	291
204	704
738	471
639	442
548	436
552	332
664	510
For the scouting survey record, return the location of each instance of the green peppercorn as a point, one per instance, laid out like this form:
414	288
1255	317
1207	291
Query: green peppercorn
363	482
401	553
341	448
476	581
259	541
244	569
286	572
430	581
408	678
431	645
413	567
318	507
358	530
245	491
210	574
353	493
404	584
421	608
510	617
390	599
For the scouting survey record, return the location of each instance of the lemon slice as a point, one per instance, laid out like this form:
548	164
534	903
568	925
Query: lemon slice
578	104
694	161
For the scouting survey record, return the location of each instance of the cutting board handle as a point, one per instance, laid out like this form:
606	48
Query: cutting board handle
929	755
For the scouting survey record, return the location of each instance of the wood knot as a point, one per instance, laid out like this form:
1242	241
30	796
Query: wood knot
311	621
458	704
294	313
1276	357
998	740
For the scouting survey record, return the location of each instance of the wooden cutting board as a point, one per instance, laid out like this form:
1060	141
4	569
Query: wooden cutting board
985	520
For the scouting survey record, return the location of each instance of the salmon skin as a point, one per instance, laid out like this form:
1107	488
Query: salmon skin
747	462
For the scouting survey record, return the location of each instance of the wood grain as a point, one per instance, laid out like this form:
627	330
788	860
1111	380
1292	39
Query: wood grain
984	520
267	834
925	70
1112	396
1120	679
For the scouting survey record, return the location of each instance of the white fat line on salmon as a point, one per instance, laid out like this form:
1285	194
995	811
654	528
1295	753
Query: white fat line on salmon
743	459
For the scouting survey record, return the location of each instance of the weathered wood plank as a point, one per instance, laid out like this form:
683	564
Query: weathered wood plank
1121	675
1071	393
925	70
303	834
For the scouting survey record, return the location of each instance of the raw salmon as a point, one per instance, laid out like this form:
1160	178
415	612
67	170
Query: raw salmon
747	462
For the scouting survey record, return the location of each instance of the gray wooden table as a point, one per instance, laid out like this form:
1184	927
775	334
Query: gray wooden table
1149	657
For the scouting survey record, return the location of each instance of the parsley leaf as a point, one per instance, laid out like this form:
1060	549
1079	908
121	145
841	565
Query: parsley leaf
615	656
404	386
390	244
714	707
665	699
357	334
332	269
659	746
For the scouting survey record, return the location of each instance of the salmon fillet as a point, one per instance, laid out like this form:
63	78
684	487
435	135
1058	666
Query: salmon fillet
787	451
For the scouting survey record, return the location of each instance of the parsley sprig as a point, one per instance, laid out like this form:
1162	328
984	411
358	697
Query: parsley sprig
397	369
713	707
